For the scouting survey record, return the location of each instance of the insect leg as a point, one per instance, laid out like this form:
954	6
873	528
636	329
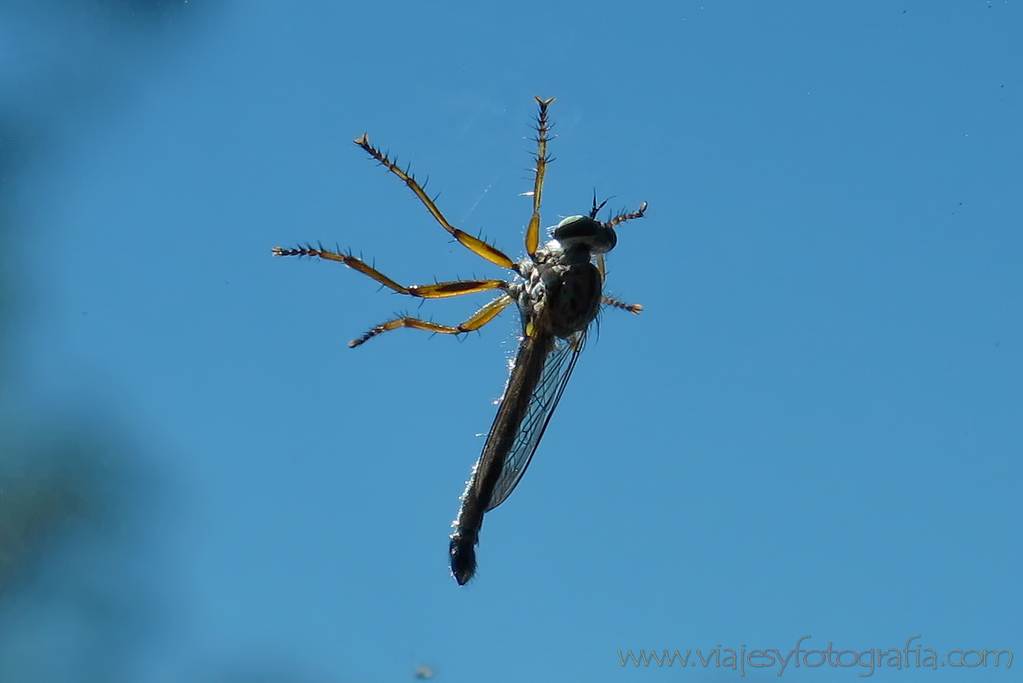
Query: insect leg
543	129
621	218
478	320
474	244
438	290
631	308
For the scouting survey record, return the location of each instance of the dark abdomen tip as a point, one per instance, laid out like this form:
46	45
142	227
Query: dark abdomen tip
463	559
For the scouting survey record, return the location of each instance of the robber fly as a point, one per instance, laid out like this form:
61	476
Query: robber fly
558	289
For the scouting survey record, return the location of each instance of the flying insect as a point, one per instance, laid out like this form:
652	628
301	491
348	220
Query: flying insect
558	289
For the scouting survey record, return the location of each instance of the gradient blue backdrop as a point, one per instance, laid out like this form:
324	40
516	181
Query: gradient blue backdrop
813	428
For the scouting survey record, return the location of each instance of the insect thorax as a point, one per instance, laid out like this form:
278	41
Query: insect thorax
560	291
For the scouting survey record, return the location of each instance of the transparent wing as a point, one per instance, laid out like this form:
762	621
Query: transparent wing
554	374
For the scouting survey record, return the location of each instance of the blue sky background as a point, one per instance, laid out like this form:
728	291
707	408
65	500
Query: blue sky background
813	428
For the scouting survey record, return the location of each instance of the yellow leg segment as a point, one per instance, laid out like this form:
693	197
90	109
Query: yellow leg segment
478	320
438	290
543	128
475	245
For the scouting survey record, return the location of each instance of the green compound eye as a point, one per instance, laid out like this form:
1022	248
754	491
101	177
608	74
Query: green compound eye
576	223
585	230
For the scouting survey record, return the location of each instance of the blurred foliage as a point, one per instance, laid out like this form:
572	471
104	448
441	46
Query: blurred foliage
71	601
35	507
